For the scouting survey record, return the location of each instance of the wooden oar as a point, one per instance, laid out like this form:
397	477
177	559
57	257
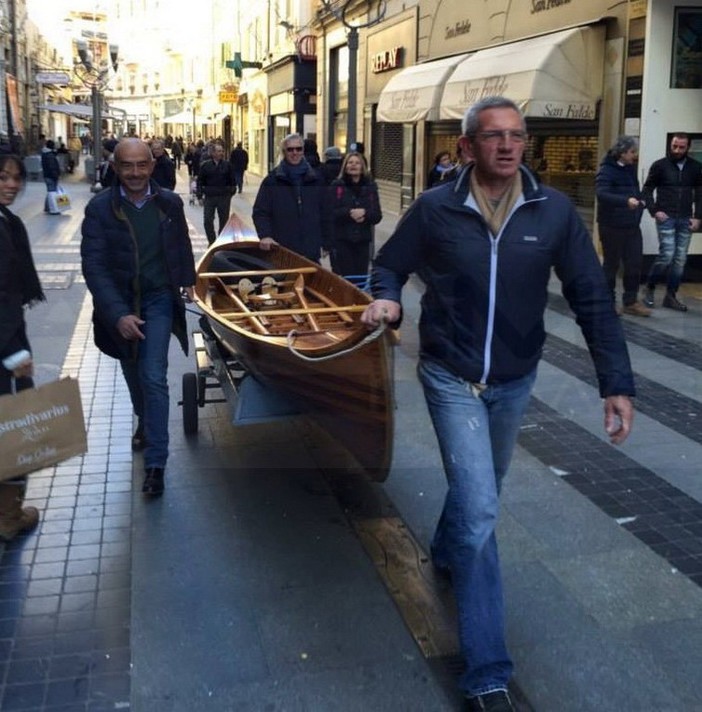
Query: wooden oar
245	311
299	288
353	308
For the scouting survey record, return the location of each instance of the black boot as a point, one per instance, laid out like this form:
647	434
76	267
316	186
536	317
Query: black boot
153	482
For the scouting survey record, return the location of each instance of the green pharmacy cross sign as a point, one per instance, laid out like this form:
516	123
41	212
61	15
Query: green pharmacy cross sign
238	65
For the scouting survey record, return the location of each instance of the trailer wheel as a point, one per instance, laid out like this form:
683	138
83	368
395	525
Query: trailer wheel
190	403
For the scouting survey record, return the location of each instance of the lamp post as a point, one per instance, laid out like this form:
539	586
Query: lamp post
96	78
341	9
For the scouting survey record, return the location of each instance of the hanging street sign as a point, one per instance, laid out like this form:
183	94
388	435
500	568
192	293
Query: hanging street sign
52	78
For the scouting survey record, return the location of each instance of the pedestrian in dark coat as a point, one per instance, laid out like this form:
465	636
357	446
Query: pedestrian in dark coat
356	211
164	168
136	258
239	158
20	288
292	207
52	171
619	210
331	168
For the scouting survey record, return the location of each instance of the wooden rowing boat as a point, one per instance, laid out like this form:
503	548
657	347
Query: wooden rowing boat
296	328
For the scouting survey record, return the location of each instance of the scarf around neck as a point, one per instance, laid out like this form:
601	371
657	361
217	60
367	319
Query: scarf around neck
495	212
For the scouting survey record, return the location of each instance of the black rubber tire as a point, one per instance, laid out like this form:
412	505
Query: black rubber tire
190	403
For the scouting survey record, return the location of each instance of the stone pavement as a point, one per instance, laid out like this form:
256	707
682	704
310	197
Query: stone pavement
246	586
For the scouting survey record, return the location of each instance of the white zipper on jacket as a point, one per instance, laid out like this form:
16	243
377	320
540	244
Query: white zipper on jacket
494	243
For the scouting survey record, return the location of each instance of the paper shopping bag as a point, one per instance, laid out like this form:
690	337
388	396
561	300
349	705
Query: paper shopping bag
40	427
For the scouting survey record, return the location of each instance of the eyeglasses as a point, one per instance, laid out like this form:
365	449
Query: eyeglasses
517	136
294	149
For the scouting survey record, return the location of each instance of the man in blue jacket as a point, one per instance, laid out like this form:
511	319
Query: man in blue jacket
292	206
484	246
137	256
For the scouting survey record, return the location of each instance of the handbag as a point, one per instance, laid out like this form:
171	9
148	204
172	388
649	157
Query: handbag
40	427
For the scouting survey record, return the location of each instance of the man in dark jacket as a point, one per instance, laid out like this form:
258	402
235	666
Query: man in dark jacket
484	246
619	210
137	257
215	182
332	164
52	171
164	168
677	210
291	208
239	158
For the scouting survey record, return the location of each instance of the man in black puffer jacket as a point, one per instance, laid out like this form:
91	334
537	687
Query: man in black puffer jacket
137	257
677	210
292	207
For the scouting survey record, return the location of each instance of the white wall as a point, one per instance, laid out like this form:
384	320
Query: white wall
664	109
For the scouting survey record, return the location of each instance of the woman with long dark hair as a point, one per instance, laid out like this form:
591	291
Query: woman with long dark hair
19	288
356	211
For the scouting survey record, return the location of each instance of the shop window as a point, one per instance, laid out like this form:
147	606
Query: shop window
387	152
687	49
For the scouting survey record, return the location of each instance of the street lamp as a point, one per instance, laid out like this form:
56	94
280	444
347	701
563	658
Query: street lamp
340	9
96	78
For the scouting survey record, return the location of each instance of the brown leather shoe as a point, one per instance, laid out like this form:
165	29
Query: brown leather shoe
636	309
18	521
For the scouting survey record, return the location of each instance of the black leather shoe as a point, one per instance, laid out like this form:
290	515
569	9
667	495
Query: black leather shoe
153	482
138	439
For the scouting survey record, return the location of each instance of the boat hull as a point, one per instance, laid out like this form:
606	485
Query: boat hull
327	366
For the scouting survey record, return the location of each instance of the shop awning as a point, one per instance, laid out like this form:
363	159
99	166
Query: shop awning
186	117
555	76
81	111
413	94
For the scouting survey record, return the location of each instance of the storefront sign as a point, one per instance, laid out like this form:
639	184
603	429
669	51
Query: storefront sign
564	110
387	60
541	5
459	28
52	78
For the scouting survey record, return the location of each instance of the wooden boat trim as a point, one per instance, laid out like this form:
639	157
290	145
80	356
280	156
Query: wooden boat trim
260	272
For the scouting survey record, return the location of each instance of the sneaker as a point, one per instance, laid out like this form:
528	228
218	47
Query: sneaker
636	309
497	701
670	301
648	297
153	482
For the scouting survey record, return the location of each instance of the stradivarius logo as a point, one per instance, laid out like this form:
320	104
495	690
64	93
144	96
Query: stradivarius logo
33	418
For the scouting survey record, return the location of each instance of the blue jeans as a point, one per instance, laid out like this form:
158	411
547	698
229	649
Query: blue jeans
477	431
147	378
673	243
51	187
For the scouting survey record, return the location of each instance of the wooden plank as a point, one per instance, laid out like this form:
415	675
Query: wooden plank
425	601
256	323
299	288
325	300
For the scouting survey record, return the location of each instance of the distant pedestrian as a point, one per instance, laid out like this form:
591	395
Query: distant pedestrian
292	206
239	159
52	171
331	168
442	168
177	152
676	181
311	153
619	210
356	208
215	183
164	168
